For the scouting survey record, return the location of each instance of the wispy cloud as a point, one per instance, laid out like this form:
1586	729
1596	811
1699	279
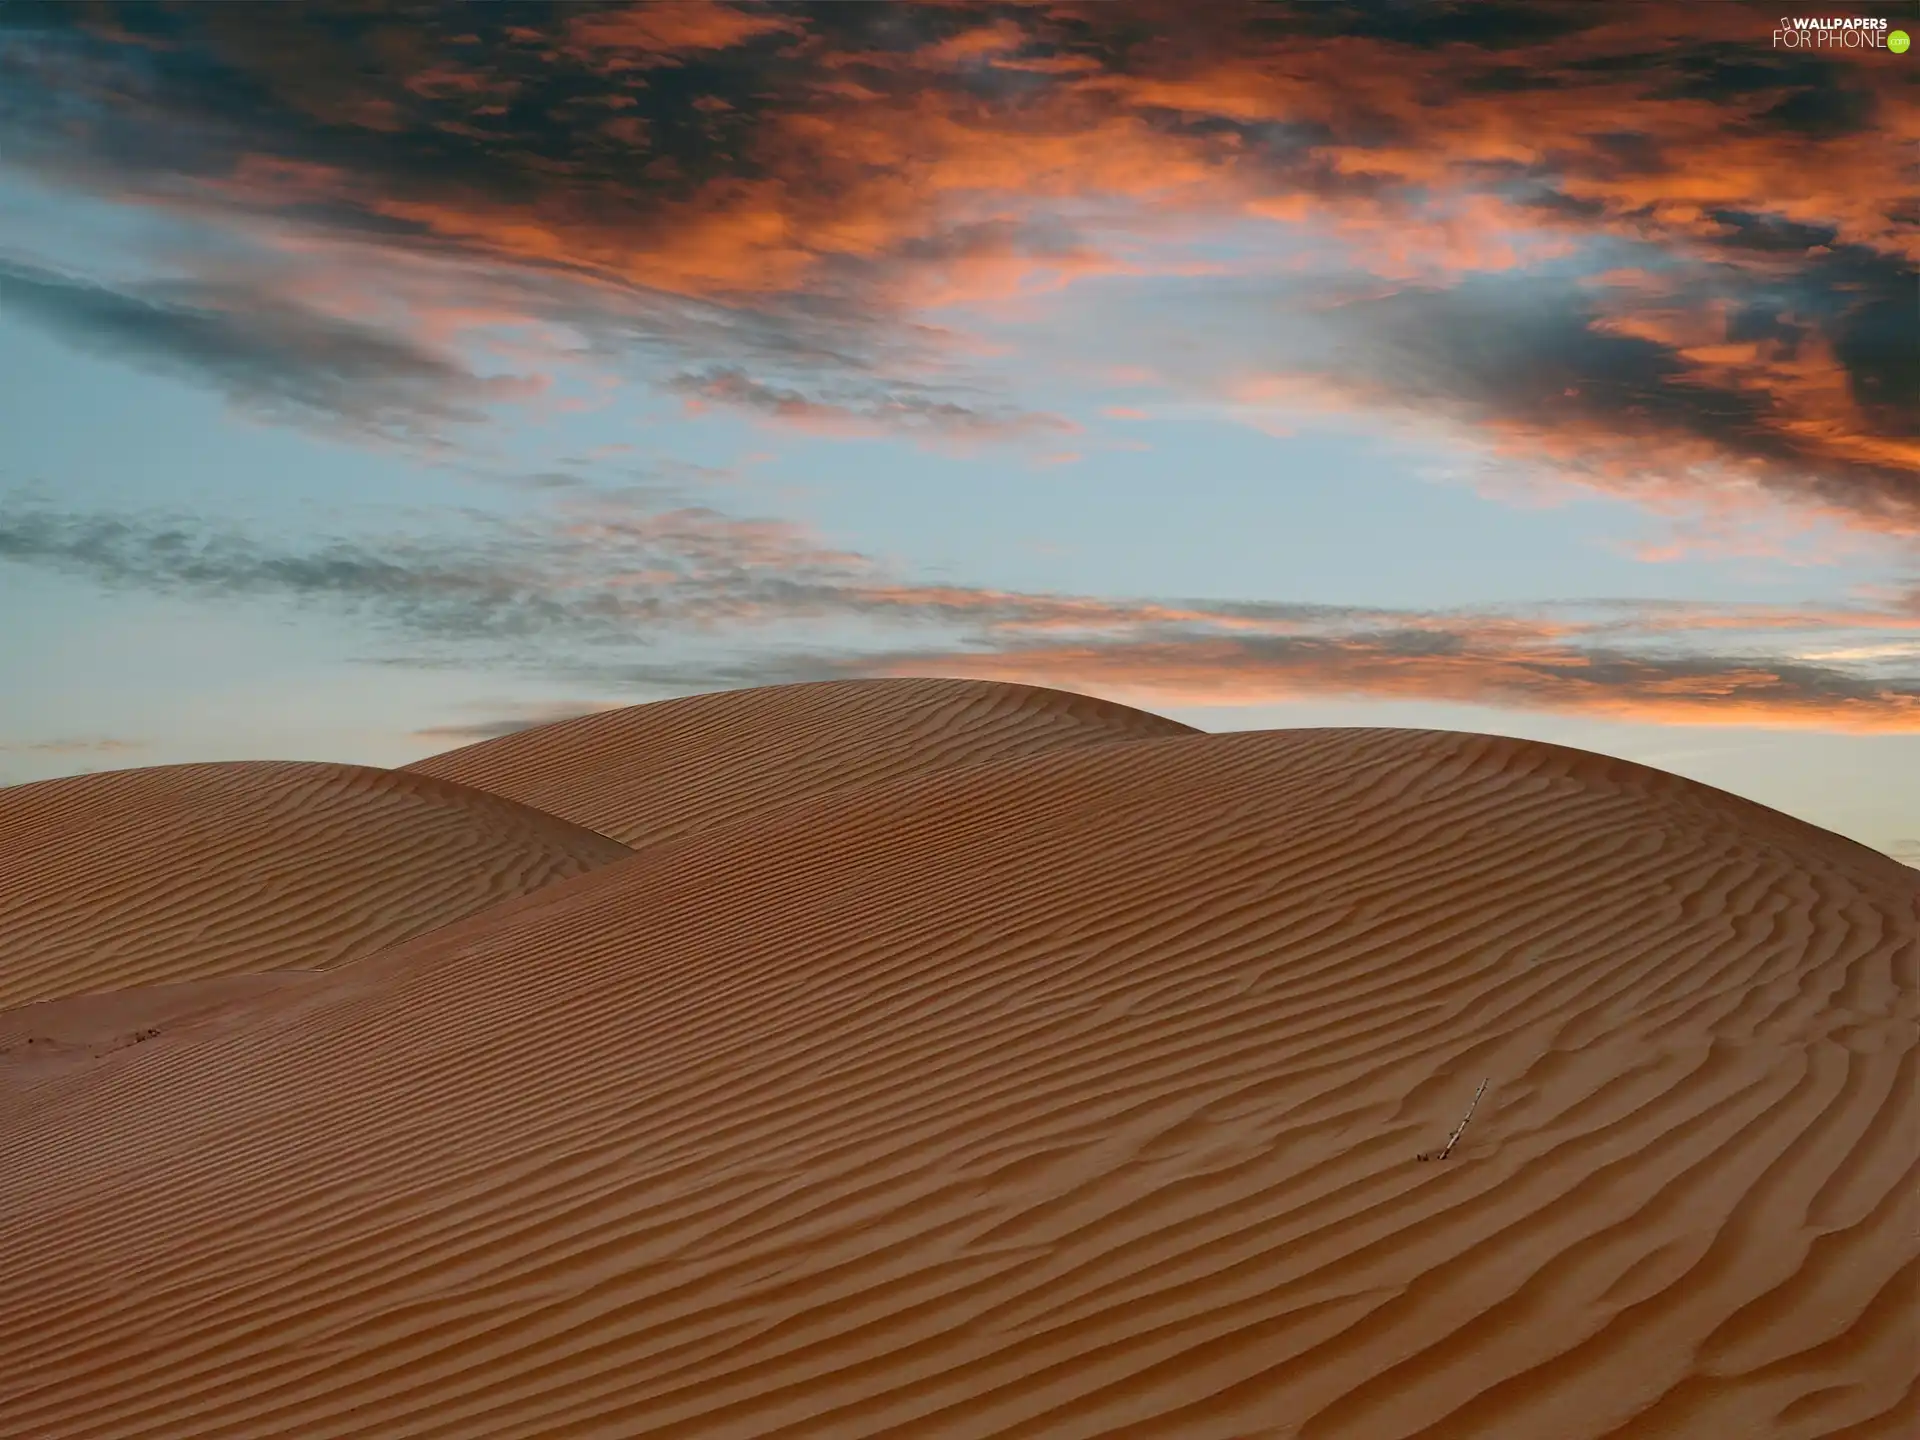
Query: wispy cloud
607	592
1459	664
898	408
74	746
263	351
476	591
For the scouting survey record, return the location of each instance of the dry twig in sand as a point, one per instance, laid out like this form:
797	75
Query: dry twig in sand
1458	1130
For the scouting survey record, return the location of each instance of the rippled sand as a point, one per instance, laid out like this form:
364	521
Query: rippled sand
952	1059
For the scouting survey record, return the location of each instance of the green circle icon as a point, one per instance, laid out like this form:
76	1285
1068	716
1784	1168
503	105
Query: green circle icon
1897	42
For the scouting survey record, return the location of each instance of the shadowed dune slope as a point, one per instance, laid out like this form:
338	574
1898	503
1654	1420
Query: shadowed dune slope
138	877
660	771
1076	1095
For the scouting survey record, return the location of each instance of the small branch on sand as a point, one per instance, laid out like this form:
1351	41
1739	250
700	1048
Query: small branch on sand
1458	1130
1454	1139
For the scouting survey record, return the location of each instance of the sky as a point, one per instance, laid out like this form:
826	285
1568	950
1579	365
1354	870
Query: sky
376	378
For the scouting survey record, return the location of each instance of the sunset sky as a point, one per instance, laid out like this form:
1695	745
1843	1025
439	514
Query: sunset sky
376	378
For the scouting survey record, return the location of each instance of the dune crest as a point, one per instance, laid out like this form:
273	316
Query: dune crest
659	771
1073	1094
178	872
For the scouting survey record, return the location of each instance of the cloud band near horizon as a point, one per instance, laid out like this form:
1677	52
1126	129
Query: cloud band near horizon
609	594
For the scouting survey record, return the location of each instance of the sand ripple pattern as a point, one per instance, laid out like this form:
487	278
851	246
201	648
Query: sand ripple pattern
1068	1096
662	771
179	872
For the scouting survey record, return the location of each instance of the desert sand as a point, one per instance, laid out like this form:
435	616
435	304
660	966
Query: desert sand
952	1060
656	772
178	872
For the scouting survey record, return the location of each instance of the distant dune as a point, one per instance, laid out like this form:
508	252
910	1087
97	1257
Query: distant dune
135	877
657	772
967	1060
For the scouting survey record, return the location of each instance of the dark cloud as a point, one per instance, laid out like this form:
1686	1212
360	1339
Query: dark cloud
1726	69
765	200
1490	25
261	351
1633	392
1631	152
1518	348
1874	338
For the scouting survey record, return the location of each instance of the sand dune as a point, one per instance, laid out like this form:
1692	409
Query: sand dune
52	1037
1072	1094
137	877
657	772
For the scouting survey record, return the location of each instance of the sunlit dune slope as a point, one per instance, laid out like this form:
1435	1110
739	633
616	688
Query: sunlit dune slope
1074	1095
659	771
136	877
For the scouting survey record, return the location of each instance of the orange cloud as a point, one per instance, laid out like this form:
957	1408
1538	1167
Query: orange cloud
1225	673
1556	102
907	158
601	570
853	166
663	30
